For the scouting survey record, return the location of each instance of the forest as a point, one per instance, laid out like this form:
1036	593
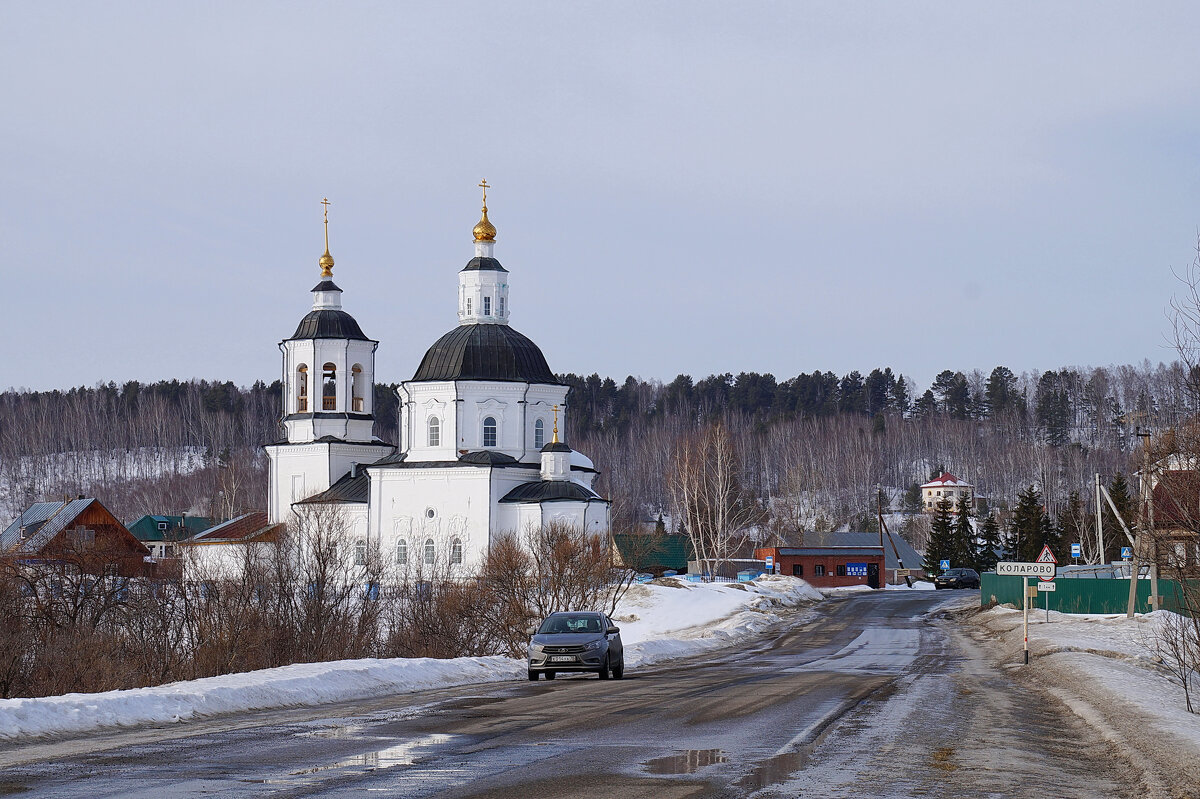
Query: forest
819	443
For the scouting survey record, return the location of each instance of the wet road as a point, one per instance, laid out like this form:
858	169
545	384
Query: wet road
866	696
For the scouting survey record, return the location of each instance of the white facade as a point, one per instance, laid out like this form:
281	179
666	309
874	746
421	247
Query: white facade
478	453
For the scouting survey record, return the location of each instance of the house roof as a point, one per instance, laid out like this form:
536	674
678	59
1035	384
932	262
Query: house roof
666	551
247	527
147	527
39	523
1177	500
946	479
912	559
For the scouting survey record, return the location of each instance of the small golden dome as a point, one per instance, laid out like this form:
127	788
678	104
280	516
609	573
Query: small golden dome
326	264
485	230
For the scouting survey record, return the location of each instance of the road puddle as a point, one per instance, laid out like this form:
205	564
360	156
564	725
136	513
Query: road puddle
775	770
402	754
688	762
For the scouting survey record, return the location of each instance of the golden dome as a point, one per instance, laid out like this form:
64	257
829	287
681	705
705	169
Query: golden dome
326	264
485	230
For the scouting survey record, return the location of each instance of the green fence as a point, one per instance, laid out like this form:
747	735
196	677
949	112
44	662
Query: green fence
1082	594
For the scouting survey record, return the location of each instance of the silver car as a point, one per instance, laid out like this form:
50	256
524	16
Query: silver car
576	641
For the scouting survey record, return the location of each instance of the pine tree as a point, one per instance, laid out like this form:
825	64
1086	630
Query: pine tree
1028	528
964	536
941	538
912	498
986	556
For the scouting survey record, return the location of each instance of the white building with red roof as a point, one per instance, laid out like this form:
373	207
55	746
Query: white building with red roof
945	486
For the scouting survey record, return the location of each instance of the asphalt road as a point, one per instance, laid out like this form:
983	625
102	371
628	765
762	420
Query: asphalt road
871	695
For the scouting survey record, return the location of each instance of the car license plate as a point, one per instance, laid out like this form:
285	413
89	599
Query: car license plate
563	659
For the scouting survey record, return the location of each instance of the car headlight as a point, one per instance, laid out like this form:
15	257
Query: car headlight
535	649
592	645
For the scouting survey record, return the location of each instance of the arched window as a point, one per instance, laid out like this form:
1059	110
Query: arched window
435	432
401	552
489	431
360	552
456	552
539	434
358	383
302	388
329	387
430	552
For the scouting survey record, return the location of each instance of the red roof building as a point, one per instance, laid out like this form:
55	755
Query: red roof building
945	486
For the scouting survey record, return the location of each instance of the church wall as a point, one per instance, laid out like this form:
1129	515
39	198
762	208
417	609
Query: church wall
460	499
300	470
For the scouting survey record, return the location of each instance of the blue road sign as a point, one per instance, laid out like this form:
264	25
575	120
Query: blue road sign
945	564
770	561
1126	553
1076	550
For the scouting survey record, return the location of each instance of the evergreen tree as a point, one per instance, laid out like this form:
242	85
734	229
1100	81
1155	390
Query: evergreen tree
1028	528
912	498
989	545
965	553
1073	523
941	538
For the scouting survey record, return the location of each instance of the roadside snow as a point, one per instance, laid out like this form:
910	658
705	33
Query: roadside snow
661	620
1104	668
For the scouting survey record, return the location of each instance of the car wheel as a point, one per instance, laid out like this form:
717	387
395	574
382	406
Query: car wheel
532	675
619	672
604	669
549	675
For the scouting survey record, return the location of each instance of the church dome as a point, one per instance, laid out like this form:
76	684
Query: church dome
329	323
485	352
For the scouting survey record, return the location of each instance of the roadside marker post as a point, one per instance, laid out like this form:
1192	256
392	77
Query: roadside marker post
945	564
1046	556
1042	569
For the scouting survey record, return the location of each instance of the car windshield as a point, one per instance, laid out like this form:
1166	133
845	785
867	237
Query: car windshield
570	623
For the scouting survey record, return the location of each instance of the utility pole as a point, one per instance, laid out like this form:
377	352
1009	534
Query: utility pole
1099	524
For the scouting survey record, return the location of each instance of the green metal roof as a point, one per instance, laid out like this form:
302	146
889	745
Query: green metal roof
654	551
147	527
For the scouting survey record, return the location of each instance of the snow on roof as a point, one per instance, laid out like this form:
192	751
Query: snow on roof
946	479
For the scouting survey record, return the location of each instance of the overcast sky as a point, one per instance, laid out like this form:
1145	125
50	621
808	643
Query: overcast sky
679	187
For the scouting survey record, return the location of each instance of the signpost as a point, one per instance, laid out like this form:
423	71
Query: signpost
1126	553
945	564
1076	551
1042	569
1046	556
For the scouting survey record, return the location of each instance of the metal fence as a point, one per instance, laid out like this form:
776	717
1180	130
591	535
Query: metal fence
1084	595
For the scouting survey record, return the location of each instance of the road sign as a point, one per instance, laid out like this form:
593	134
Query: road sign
1126	553
1046	586
945	564
1046	555
1022	569
1076	550
770	562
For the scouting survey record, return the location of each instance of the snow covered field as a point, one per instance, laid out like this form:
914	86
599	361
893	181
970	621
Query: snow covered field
1104	668
661	620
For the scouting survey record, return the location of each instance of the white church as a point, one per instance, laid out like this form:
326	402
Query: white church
479	451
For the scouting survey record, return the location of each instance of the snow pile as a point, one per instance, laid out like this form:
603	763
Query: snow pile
298	685
918	585
671	618
1105	669
665	619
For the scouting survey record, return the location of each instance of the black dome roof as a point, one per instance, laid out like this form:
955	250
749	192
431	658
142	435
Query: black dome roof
329	323
485	352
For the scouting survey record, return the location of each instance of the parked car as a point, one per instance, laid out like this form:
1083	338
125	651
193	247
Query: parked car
957	578
576	641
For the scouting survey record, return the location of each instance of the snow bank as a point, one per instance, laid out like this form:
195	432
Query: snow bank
299	685
1104	668
671	618
661	620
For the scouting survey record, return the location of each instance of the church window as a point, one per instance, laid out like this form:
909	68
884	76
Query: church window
489	431
456	552
429	551
500	300
468	305
435	432
430	513
302	389
487	306
329	390
539	434
360	552
401	552
358	382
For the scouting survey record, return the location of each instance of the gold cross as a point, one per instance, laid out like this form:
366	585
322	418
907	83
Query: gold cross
484	185
325	202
